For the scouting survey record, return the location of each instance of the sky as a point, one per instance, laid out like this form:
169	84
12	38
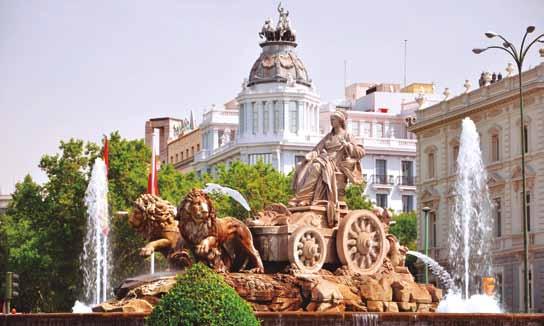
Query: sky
81	69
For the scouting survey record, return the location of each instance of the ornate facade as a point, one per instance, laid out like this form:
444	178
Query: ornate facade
278	109
495	110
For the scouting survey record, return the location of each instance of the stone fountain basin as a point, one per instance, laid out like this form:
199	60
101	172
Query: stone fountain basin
290	318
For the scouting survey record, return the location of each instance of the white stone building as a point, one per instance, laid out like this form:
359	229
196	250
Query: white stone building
278	114
495	111
377	118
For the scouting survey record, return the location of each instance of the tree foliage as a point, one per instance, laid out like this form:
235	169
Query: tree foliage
405	229
202	297
42	233
355	197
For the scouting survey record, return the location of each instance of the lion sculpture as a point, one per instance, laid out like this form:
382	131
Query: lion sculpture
219	242
154	218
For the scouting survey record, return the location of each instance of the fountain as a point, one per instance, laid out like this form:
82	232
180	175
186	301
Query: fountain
470	233
95	257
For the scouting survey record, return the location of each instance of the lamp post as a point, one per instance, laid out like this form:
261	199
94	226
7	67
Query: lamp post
426	211
519	57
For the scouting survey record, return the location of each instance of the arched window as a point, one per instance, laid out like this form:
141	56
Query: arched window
495	143
431	161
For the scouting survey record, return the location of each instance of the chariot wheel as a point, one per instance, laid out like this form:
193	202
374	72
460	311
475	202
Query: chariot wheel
361	242
307	249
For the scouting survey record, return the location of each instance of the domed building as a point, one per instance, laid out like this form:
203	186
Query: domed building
278	109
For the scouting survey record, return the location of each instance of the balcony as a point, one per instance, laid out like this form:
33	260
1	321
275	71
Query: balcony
382	181
406	182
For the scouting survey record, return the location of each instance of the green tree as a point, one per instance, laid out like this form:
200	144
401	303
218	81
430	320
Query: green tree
259	183
127	179
202	297
355	197
405	229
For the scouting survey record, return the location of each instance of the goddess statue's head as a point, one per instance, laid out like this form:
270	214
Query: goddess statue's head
338	119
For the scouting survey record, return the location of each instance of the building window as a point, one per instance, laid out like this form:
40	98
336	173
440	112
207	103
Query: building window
277	116
430	165
241	119
498	286
171	159
407	203
367	129
498	217
255	117
379	130
521	276
526	138
356	129
407	178
432	230
187	153
264	157
381	200
176	157
381	172
181	155
266	116
198	147
528	210
455	152
293	117
192	150
495	148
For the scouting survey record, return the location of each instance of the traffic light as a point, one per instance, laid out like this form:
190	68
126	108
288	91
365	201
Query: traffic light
12	285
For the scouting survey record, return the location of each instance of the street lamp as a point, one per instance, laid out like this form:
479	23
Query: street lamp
426	211
518	57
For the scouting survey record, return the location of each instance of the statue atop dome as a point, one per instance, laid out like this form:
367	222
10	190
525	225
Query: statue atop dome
283	31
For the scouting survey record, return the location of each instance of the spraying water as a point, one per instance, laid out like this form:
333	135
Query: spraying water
436	269
470	235
95	258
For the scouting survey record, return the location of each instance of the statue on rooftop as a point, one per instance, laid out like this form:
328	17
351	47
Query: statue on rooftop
268	31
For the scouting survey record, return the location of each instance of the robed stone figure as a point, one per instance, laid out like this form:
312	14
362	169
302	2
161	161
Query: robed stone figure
335	158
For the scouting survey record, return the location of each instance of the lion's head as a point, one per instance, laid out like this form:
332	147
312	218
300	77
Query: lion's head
198	207
152	215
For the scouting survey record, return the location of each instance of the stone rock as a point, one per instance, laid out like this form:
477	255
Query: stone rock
424	307
387	289
407	306
323	292
325	296
419	294
107	307
138	305
401	291
390	307
436	294
374	306
372	290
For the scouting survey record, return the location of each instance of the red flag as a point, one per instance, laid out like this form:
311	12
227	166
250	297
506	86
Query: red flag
105	154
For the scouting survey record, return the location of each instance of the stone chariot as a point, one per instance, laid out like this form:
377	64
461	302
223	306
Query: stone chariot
357	240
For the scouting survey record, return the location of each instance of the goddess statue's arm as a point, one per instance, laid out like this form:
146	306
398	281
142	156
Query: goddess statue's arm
316	150
355	151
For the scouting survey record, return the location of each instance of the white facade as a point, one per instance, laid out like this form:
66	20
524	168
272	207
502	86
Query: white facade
389	163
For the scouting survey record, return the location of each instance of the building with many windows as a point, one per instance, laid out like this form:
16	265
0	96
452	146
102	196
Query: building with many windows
495	110
377	116
277	118
277	111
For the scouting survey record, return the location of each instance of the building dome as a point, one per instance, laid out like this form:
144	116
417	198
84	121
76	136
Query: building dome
278	63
